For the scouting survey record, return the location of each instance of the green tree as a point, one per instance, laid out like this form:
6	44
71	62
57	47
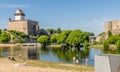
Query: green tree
53	38
63	36
118	45
43	39
0	31
75	38
106	45
91	34
51	31
58	30
113	39
109	34
5	37
86	44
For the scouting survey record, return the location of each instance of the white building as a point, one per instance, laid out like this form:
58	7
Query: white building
107	63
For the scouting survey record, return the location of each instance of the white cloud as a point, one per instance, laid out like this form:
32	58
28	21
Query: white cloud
13	6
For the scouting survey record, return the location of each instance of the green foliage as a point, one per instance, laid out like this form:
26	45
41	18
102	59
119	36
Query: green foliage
76	37
113	39
118	45
106	45
91	34
17	36
53	38
17	33
43	32
63	36
51	31
5	37
43	39
58	30
109	34
0	31
86	44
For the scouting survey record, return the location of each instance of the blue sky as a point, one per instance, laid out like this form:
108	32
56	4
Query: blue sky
87	15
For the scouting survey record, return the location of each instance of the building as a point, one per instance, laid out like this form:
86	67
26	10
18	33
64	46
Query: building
28	27
107	63
92	40
113	26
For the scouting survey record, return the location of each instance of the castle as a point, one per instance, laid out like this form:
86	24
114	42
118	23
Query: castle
113	26
28	27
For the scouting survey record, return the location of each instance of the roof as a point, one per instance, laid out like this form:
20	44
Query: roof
19	12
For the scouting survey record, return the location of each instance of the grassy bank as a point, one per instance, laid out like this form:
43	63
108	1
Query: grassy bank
96	46
55	45
60	66
37	63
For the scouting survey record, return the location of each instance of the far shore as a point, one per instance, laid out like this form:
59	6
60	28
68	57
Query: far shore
9	45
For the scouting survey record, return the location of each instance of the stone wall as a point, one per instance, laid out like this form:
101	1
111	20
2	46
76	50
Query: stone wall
27	26
113	26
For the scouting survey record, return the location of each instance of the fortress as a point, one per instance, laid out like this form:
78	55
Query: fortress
28	27
113	26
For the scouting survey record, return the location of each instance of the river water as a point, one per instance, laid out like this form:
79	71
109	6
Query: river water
52	55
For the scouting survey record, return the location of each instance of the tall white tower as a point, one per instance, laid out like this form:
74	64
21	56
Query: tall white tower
19	15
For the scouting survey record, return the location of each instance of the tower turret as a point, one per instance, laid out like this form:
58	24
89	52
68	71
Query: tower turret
19	15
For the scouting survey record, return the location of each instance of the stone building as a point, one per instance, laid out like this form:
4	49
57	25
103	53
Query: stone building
28	27
113	26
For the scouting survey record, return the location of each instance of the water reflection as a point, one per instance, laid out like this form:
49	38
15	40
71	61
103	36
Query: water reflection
26	52
51	55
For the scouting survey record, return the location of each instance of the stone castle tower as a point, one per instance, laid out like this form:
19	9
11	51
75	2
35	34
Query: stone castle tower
28	27
113	26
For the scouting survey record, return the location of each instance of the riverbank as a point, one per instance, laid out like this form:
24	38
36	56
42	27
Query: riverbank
111	47
9	45
96	46
40	66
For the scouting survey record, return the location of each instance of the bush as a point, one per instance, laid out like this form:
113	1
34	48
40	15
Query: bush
118	45
106	45
113	39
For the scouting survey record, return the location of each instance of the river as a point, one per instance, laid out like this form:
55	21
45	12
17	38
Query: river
52	55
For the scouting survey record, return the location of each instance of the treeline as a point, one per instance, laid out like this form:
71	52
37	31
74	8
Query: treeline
71	38
111	40
6	36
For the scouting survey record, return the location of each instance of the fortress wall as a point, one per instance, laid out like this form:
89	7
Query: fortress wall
18	25
108	26
32	27
115	25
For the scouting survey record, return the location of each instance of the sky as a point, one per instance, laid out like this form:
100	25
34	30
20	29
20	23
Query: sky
86	15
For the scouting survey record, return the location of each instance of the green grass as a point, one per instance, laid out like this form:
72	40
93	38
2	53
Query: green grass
96	46
60	65
71	67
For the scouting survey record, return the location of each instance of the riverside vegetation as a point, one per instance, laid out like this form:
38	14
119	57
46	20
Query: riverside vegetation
66	38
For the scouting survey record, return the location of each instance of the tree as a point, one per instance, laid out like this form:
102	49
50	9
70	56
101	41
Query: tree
5	37
75	38
58	30
113	39
53	38
61	38
109	34
43	39
118	45
106	45
91	34
51	31
86	44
